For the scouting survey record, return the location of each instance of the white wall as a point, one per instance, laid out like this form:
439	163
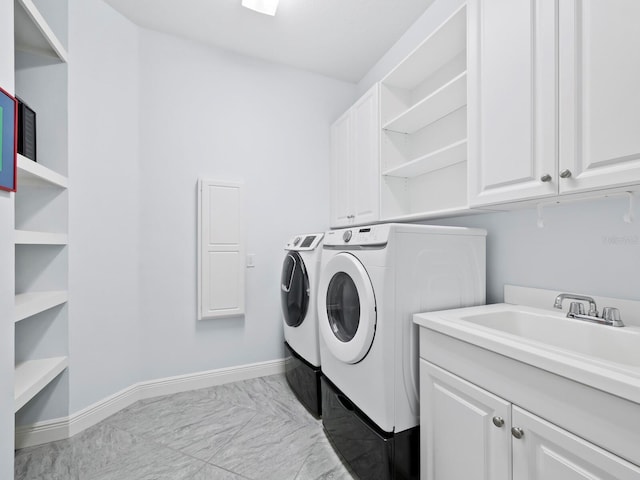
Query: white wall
585	247
207	112
104	321
6	266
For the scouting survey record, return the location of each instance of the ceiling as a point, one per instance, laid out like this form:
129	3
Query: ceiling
338	38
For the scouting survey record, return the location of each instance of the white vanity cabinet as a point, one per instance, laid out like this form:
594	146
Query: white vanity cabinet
456	438
547	452
553	106
355	159
468	432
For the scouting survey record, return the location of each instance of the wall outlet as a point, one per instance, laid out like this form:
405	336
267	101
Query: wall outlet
251	260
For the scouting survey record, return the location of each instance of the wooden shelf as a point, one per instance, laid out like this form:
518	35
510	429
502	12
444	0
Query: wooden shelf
437	105
449	155
32	173
25	237
33	34
32	376
435	51
32	303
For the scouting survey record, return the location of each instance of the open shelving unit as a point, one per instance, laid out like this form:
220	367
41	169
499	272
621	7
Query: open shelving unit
424	127
41	203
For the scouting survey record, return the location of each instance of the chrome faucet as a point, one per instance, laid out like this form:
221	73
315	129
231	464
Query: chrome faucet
610	315
593	310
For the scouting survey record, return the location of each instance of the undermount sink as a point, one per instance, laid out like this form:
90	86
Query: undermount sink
619	345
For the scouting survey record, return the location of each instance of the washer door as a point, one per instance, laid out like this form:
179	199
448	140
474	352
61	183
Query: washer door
294	289
347	308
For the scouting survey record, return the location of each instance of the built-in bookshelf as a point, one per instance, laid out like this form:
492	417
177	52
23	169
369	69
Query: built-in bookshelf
41	204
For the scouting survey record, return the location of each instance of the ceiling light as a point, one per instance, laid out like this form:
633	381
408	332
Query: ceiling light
268	7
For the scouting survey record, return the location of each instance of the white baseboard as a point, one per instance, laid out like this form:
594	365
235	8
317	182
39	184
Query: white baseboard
61	428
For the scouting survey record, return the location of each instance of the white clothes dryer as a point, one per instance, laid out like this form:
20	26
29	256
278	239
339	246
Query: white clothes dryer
373	279
298	294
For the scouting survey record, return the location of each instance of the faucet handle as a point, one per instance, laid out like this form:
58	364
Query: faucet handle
612	315
576	308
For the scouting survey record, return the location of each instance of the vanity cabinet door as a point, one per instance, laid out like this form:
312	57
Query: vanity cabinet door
547	452
458	436
599	67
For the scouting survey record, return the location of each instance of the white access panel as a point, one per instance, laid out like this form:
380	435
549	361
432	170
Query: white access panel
221	249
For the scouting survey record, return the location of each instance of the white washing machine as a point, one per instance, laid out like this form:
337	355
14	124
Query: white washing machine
298	294
373	279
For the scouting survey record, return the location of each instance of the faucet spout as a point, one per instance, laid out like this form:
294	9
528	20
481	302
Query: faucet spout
593	310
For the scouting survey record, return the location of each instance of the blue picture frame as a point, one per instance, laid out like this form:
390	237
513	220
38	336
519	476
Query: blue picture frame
8	140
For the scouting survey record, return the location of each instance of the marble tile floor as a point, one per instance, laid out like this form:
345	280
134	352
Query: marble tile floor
249	430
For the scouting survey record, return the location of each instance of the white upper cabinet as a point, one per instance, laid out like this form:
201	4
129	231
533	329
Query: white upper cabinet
355	163
554	106
366	157
599	94
512	96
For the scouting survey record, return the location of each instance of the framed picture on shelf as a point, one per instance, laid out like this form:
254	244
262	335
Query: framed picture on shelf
8	140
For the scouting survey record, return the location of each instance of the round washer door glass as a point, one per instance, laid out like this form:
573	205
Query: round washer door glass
343	307
294	289
347	308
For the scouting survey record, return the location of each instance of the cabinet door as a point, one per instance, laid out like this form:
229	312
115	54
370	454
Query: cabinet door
221	249
599	94
366	158
546	452
340	171
512	100
355	163
458	437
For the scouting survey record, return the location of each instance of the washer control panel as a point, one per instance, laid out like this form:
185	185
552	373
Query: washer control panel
305	242
374	235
